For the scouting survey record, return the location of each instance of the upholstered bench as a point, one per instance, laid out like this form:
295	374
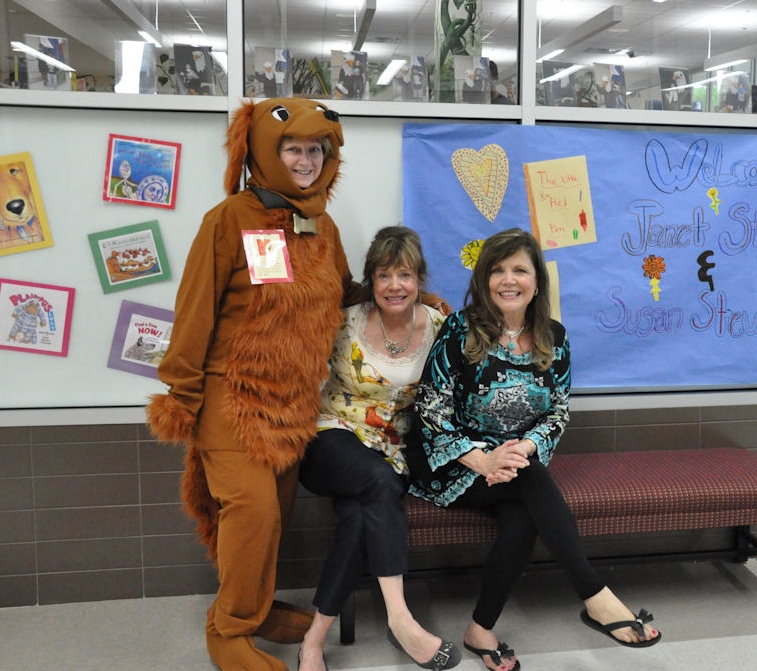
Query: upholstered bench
619	493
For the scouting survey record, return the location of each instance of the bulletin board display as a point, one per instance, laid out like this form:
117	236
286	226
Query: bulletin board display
651	240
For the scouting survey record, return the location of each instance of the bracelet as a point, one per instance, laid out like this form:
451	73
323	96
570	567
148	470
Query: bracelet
528	440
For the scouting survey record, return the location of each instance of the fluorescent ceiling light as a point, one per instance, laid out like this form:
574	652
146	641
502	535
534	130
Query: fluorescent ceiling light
20	46
550	55
728	64
392	69
563	73
366	16
731	58
149	38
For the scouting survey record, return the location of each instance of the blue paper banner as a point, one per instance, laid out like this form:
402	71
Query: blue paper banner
652	236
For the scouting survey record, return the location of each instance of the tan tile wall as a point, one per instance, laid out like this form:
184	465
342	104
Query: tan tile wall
92	512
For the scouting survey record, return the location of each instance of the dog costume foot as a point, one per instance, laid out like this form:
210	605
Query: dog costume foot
238	653
285	623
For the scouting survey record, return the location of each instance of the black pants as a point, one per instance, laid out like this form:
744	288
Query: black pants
528	506
371	528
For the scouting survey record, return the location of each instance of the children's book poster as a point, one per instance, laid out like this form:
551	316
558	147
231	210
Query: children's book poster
35	317
651	235
194	70
129	256
675	89
140	338
141	171
23	222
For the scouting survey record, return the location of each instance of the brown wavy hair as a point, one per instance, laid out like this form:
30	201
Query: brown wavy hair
485	321
394	246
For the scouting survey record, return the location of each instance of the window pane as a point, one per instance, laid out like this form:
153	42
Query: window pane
646	55
379	49
127	46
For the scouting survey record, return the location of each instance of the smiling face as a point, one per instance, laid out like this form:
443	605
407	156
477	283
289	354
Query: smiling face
303	159
395	289
512	286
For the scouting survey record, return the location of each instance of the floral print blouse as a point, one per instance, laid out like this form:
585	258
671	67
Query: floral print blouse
368	391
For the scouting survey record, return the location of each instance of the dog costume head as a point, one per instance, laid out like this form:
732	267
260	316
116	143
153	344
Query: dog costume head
253	138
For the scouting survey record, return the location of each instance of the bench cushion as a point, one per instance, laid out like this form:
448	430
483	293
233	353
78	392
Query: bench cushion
622	492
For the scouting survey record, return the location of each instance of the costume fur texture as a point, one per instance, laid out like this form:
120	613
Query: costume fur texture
245	372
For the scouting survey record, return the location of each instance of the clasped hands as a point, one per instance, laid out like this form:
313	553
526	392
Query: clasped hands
503	462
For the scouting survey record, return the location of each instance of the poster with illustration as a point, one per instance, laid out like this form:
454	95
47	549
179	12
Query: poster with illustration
273	73
675	89
194	70
410	83
140	338
35	317
23	222
141	172
610	81
129	256
349	75
472	80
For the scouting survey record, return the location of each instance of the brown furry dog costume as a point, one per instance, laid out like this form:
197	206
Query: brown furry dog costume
244	369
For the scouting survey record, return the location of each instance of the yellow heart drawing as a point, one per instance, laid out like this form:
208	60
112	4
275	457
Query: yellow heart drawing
484	175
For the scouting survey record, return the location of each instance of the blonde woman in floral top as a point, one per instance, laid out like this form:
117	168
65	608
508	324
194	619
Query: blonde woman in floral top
357	458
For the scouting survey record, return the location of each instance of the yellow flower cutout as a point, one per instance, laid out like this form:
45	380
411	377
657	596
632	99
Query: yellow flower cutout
469	253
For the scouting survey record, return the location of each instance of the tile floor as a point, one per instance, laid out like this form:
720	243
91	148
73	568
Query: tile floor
706	611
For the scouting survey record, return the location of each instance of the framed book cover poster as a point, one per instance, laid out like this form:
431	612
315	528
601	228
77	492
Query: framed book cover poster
129	256
141	171
273	73
140	339
35	317
23	222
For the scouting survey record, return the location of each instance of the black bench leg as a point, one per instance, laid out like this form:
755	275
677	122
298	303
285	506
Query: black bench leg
347	621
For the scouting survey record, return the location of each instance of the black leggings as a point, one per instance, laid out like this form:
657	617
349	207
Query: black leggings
528	506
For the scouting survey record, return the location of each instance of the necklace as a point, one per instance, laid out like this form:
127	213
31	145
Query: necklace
511	336
396	347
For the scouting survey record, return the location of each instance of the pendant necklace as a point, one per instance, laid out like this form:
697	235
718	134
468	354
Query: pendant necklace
395	347
512	335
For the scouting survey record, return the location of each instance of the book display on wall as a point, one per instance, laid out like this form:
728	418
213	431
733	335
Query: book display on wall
50	70
273	73
194	70
23	224
140	338
349	75
141	171
35	317
734	93
129	256
136	67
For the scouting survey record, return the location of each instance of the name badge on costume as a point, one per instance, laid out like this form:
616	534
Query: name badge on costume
267	256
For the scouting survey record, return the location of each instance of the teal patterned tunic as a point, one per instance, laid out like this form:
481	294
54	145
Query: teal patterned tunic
461	406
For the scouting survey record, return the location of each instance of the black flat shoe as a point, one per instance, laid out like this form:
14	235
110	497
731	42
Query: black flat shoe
637	625
447	656
501	653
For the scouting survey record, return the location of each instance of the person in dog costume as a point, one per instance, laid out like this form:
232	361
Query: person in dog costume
246	361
